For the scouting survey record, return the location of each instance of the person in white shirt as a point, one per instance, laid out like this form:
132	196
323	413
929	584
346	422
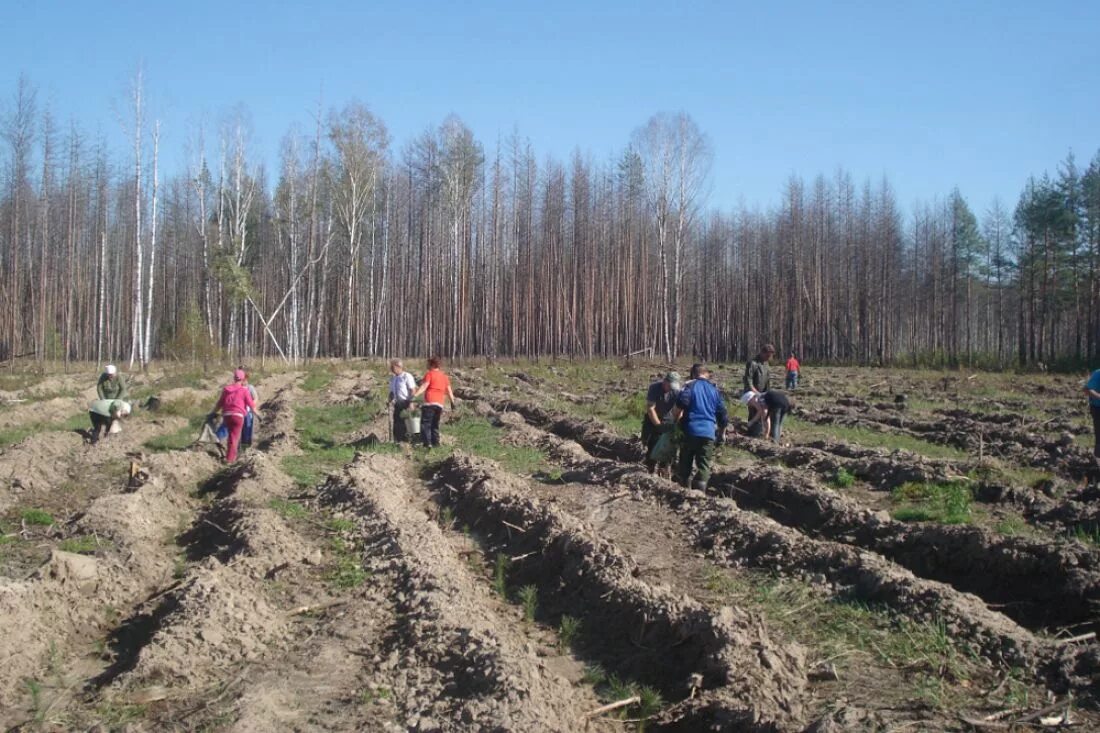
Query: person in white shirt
402	387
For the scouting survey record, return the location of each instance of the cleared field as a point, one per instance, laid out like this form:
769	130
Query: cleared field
921	555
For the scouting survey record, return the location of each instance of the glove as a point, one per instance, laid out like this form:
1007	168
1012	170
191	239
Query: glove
212	417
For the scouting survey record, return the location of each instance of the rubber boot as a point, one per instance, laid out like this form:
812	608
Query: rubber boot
699	485
650	466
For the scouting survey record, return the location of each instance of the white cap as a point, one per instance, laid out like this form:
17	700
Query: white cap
111	369
124	409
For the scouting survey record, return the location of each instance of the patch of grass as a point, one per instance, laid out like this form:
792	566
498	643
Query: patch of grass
11	436
321	432
477	435
837	628
843	479
185	406
802	429
371	696
288	509
1086	534
947	503
347	569
182	439
317	380
311	469
115	715
85	545
529	599
339	524
623	413
1011	526
36	517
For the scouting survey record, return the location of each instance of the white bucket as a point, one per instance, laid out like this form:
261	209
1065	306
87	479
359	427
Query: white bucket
116	427
412	424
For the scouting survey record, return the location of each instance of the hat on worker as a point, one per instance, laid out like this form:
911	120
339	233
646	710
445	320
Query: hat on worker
124	409
238	375
673	378
111	370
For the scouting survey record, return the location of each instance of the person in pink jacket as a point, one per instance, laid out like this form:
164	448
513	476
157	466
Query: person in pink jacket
234	403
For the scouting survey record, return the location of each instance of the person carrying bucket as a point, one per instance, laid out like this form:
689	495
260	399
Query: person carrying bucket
104	415
402	387
233	404
436	387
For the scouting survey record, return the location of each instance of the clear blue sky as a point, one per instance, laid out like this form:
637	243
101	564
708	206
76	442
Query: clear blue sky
932	94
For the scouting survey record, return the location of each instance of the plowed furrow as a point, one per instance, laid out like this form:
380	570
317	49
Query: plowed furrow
1038	583
748	681
450	657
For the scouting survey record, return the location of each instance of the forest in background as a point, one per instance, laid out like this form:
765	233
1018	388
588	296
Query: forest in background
360	246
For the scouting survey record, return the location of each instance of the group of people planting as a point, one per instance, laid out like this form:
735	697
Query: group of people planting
236	406
684	422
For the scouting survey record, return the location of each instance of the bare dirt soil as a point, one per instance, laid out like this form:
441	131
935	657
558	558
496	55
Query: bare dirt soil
919	553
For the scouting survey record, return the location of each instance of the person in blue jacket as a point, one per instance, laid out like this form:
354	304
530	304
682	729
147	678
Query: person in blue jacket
1092	389
701	411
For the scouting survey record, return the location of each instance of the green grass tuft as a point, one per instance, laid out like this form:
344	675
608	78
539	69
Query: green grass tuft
85	545
947	503
288	509
477	435
843	479
36	517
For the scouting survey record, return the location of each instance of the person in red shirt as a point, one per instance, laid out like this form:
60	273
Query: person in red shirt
436	388
234	403
792	371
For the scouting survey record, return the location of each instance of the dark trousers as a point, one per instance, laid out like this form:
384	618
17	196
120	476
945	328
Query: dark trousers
400	431
757	429
776	416
695	452
99	422
1095	430
430	417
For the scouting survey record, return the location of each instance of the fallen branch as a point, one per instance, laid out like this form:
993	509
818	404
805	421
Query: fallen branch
509	524
318	607
1072	639
614	706
613	497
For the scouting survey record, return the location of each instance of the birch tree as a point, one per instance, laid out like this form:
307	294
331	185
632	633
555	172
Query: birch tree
359	141
677	158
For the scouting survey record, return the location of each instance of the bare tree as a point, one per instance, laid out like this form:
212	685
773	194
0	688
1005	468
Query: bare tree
677	159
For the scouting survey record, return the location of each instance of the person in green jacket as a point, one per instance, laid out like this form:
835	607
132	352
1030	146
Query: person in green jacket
112	385
103	414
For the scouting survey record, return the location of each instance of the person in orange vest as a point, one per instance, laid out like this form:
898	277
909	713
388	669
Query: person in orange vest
436	388
792	371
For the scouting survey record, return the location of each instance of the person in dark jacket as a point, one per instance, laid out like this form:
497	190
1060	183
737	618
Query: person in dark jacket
660	399
757	379
701	411
776	405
